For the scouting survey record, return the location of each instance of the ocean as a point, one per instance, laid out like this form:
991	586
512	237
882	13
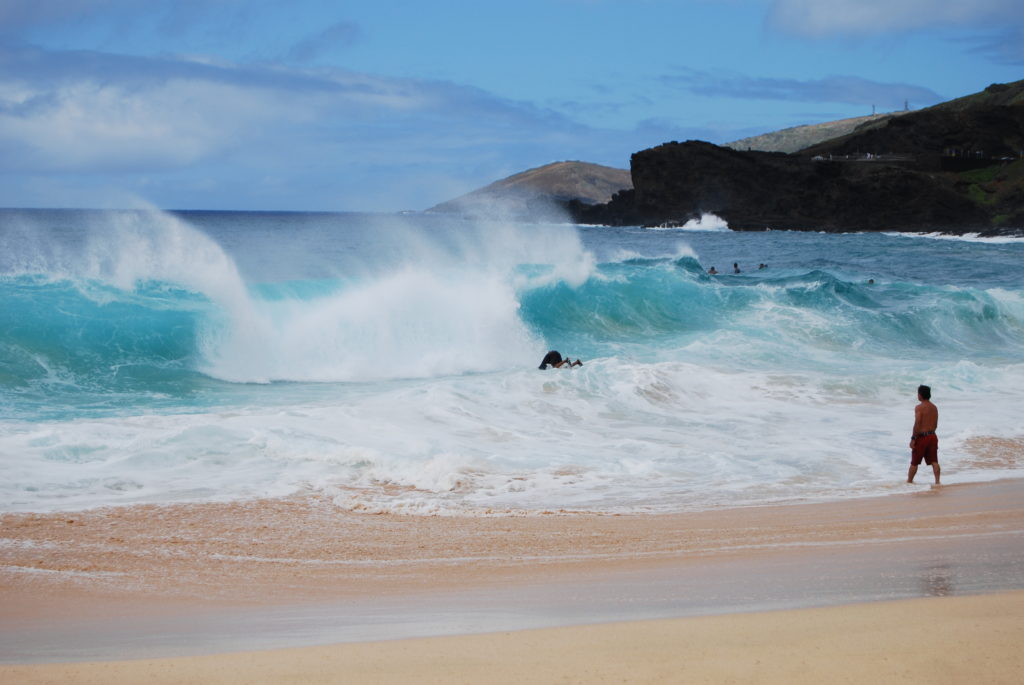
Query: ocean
389	362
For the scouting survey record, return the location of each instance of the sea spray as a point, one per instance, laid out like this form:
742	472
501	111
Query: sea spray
424	305
705	222
408	324
412	306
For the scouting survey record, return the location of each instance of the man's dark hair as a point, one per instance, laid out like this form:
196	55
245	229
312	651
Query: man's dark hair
925	392
552	358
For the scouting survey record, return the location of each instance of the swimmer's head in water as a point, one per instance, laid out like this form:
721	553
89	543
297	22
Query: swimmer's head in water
551	358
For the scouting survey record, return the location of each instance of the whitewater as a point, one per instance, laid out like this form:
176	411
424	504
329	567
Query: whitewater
389	362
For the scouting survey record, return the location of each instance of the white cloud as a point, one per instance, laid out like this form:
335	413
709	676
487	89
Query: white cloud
993	27
65	112
832	89
219	130
93	125
337	36
822	18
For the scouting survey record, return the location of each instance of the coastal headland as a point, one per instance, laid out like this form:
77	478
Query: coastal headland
956	167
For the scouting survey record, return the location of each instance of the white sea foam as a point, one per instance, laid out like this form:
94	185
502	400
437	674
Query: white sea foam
679	250
706	222
965	237
614	436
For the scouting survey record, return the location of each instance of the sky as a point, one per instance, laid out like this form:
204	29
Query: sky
391	105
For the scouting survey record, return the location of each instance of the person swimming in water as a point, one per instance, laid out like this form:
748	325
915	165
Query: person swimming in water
554	359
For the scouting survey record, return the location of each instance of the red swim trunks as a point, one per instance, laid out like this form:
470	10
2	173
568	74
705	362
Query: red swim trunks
925	447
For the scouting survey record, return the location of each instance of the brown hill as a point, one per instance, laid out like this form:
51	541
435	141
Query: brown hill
797	138
541	193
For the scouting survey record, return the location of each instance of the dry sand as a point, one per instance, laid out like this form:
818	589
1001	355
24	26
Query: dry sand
187	579
949	640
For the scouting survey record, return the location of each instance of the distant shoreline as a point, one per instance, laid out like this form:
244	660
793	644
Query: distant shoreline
1011	232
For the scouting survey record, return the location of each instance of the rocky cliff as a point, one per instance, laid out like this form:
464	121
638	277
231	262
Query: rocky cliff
676	182
955	167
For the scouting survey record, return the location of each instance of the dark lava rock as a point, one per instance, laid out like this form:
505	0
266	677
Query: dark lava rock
956	167
676	182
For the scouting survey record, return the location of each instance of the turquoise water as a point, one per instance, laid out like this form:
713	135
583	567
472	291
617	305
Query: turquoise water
390	361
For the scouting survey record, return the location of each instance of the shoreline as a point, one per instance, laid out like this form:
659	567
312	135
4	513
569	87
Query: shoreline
180	580
962	639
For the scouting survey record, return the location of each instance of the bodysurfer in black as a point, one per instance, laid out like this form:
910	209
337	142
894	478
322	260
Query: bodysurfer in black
553	358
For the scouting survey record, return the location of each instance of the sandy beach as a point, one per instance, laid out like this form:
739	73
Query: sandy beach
948	640
922	585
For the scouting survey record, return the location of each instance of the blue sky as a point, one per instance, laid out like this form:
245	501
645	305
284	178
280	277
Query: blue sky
395	104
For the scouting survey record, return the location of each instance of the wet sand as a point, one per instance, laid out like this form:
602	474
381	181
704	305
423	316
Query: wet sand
185	580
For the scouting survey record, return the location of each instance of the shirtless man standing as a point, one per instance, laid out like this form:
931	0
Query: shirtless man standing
923	443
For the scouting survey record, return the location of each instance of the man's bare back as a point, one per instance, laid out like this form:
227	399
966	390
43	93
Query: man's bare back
926	417
923	443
